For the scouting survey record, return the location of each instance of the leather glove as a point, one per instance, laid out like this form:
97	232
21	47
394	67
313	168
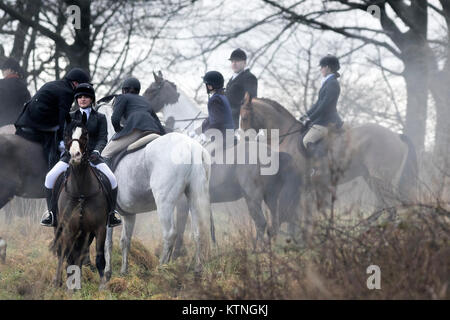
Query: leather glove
94	157
61	147
305	120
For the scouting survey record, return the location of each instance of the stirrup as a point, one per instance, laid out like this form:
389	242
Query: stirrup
48	219
113	221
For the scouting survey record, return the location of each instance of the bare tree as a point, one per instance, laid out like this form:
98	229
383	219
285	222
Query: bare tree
102	45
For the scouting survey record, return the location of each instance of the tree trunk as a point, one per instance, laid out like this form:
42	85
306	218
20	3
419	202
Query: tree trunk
440	90
78	53
416	78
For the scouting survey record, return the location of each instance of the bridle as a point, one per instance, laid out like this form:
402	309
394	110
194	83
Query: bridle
80	197
283	136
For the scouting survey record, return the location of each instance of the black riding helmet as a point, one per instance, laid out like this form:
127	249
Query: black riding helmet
330	61
238	54
85	89
78	75
13	65
132	83
214	79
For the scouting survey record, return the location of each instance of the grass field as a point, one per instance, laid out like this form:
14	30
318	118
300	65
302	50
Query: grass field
413	255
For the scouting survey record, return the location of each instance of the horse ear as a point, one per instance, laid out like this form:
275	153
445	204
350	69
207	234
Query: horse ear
84	119
68	118
247	99
160	74
155	76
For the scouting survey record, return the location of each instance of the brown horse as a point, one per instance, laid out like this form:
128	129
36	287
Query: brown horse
82	207
386	160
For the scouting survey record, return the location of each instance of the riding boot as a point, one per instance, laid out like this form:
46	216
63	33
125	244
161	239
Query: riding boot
311	152
48	217
113	221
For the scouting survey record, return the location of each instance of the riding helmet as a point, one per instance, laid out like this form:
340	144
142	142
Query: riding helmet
12	64
214	79
238	55
330	61
85	89
78	75
132	83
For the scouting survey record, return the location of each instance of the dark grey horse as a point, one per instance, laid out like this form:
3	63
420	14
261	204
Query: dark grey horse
22	168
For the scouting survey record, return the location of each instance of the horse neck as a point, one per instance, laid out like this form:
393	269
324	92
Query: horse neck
82	179
275	120
184	108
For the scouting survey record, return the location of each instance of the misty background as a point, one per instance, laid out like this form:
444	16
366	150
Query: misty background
395	64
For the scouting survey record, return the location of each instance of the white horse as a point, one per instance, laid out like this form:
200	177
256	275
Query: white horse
154	178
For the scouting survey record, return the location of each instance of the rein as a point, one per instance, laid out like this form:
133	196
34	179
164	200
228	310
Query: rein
289	133
192	120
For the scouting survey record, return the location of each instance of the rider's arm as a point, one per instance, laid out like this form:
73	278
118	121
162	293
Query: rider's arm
251	86
119	108
64	104
102	133
216	113
158	123
329	98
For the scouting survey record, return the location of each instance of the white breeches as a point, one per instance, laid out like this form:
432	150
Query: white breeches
61	167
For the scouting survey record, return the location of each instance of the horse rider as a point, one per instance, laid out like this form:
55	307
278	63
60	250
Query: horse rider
323	114
241	82
140	119
98	137
219	110
13	91
43	117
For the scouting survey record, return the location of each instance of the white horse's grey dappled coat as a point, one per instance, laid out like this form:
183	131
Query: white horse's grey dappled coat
154	178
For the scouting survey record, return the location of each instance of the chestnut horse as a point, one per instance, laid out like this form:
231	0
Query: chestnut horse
386	160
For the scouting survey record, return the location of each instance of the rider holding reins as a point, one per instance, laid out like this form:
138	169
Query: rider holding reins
98	137
323	114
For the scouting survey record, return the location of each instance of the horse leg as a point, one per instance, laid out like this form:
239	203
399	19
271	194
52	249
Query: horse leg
182	215
58	276
255	211
86	257
108	253
272	202
125	240
100	262
166	218
251	184
383	193
6	195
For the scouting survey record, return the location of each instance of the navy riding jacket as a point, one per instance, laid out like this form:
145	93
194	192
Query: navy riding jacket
219	114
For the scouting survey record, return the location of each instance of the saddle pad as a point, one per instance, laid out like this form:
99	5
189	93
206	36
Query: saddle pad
142	141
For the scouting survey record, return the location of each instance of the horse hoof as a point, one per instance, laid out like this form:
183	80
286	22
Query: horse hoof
103	284
123	272
108	275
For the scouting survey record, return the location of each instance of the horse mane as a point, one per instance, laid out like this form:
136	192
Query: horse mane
276	106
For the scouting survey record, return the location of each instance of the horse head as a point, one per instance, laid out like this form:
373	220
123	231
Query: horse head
161	92
249	119
76	139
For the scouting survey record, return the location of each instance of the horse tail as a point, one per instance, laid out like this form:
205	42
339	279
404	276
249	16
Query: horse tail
408	178
199	198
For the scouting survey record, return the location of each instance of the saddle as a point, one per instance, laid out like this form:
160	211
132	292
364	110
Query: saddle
320	147
135	146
